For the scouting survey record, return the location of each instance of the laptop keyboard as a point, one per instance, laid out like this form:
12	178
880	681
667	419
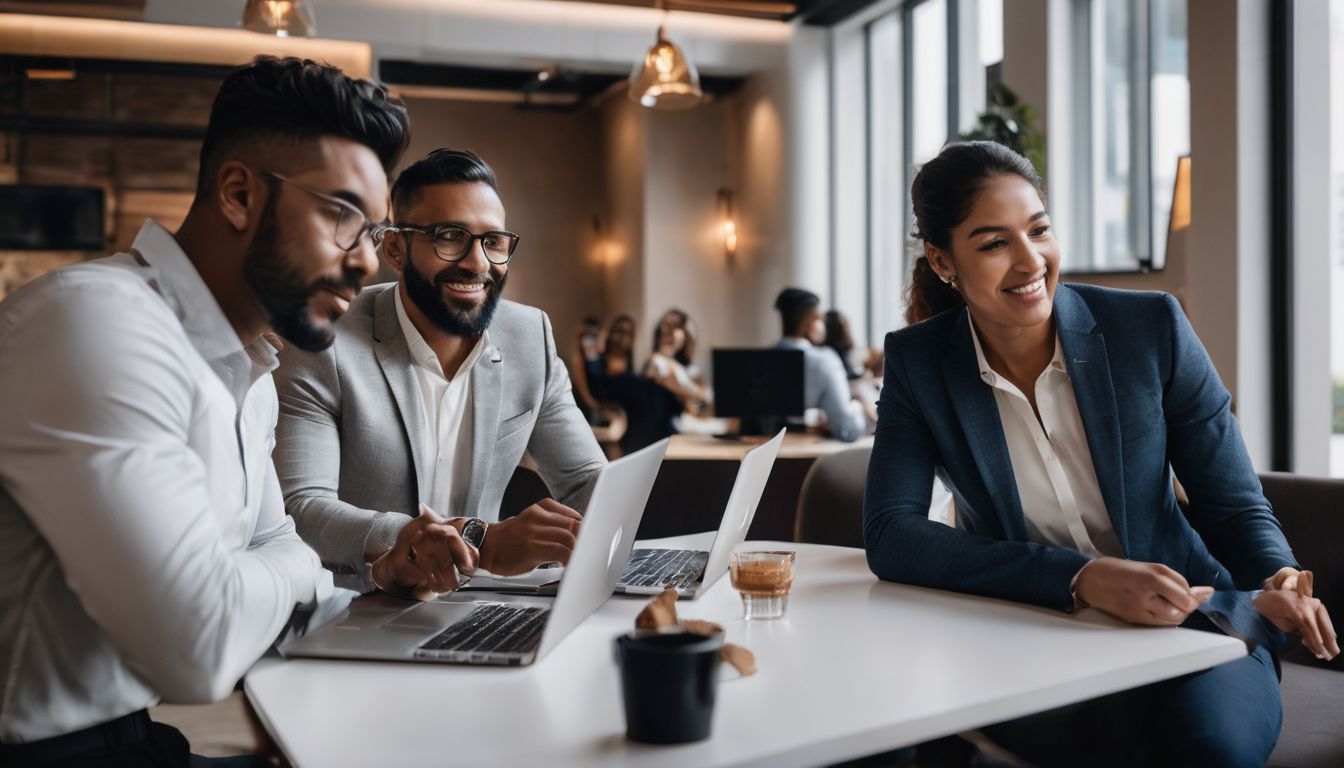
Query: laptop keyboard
660	567
493	633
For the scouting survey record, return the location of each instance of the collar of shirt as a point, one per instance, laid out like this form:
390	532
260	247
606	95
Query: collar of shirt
993	379
795	342
422	354
181	285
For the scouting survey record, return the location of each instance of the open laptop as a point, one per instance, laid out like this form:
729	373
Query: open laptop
505	630
691	571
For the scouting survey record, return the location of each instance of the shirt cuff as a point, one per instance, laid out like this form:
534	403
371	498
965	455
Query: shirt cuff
382	535
1078	602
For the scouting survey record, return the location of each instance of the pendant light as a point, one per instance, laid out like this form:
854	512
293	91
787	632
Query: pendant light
665	78
282	18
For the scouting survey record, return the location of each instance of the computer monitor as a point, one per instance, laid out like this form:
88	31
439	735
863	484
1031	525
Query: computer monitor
760	387
52	218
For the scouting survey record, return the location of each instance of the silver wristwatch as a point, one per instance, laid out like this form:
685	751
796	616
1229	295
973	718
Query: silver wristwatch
473	532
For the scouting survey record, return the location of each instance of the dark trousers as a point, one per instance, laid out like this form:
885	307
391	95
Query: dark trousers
133	741
1225	716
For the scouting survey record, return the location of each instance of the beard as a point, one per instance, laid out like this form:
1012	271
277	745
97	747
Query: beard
284	291
458	320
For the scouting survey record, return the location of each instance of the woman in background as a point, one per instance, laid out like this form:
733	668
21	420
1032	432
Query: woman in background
617	358
1057	415
670	361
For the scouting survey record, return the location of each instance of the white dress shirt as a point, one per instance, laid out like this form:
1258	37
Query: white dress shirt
448	413
145	553
1052	465
826	386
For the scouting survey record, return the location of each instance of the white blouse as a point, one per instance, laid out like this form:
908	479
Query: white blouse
1052	465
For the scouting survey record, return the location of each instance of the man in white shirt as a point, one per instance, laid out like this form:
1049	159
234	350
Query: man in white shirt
145	554
825	384
428	399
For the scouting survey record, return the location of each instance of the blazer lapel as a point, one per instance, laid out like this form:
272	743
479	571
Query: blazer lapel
394	358
1090	372
487	391
978	413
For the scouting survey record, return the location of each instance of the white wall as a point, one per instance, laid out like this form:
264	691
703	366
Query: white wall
517	32
624	158
1229	230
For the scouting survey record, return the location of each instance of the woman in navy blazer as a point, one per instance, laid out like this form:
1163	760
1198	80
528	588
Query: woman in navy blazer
1150	403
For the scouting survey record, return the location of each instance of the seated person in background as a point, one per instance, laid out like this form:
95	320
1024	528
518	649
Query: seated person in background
586	351
404	434
825	384
839	338
863	385
615	361
1057	414
670	363
145	553
648	407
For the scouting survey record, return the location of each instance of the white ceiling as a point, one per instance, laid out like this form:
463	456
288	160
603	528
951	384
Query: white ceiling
519	33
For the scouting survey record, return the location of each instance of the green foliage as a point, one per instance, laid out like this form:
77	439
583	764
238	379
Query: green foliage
1339	407
1010	121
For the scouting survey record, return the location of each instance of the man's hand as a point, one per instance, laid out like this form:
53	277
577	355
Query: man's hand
1287	602
1140	593
542	533
425	559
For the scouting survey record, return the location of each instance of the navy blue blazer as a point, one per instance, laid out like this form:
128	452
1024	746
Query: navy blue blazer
1150	402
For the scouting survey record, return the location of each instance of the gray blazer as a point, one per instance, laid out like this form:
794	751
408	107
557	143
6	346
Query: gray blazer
350	436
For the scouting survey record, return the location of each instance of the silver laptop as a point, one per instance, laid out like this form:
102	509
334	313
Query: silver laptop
503	630
691	571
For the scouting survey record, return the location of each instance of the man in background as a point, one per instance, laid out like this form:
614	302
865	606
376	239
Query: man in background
825	384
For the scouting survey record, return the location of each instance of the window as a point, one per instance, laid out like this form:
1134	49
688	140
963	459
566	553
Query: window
888	216
1134	133
1336	329
925	66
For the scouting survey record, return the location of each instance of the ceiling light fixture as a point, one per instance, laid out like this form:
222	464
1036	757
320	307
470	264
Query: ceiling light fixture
665	78
282	18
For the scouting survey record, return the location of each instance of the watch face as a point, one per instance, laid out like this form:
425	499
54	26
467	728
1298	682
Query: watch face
473	532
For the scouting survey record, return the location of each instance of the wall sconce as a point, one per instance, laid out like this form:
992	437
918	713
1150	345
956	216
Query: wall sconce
282	18
728	226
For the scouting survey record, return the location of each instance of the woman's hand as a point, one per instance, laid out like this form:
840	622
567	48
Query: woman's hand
1140	593
1287	602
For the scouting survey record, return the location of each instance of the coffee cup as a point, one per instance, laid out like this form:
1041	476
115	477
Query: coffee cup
668	680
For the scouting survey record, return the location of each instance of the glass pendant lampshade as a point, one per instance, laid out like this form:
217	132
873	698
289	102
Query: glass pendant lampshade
665	79
282	18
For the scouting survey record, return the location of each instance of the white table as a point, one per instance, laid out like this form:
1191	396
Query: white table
857	667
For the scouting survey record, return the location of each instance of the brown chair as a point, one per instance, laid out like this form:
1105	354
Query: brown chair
1311	511
830	504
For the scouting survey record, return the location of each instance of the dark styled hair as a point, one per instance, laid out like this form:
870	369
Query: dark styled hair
684	322
296	100
629	353
442	166
838	336
942	195
794	305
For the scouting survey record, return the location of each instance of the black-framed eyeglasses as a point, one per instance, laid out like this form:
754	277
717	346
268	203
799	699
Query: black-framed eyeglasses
351	223
452	243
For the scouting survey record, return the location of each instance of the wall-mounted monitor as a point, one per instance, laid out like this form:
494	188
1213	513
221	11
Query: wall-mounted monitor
34	218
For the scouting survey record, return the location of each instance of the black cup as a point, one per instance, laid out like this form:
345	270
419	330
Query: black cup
668	680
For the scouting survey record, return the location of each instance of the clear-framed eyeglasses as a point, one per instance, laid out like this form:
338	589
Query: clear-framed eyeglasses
351	223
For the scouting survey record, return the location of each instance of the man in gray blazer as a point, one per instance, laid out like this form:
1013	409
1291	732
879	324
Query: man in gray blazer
394	445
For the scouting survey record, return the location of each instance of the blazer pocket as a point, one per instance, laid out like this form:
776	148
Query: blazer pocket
514	423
